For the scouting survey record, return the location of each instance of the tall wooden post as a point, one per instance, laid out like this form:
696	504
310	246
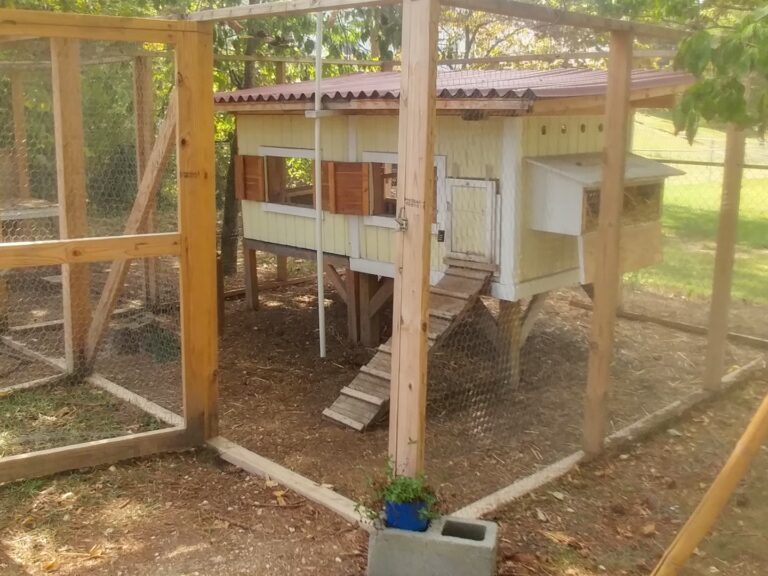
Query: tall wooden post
20	134
724	256
70	180
607	275
197	222
144	112
408	397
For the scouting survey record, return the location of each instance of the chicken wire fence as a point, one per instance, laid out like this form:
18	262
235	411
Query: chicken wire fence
82	343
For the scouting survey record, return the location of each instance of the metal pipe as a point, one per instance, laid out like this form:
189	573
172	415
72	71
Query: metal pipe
319	184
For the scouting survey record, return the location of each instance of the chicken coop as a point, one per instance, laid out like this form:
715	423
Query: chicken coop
515	214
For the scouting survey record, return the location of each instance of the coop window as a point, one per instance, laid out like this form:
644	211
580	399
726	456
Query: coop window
384	186
290	181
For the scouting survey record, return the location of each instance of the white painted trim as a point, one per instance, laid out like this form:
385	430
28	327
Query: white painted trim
380	157
504	292
281	152
510	191
435	276
380	221
317	493
376	267
546	283
289	210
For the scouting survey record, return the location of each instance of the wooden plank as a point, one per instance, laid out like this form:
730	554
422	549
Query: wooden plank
317	493
382	296
144	121
83	250
39	23
70	185
148	188
415	203
725	254
197	221
294	252
162	414
609	227
251	274
282	268
87	454
370	322
21	156
337	281
281	8
539	13
352	286
365	396
4	391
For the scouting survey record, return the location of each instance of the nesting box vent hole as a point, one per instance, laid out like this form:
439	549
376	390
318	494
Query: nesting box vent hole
544	130
464	530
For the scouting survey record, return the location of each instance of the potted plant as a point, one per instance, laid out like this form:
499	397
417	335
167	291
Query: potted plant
403	502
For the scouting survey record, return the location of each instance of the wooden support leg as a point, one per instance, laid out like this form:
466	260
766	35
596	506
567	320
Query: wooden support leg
370	320
352	281
70	177
510	323
251	278
282	268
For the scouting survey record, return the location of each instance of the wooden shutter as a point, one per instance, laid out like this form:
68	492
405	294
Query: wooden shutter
349	184
249	178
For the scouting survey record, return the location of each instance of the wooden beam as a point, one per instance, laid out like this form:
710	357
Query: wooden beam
282	8
83	250
714	501
384	291
370	320
281	272
539	13
725	254
21	156
607	276
352	282
144	121
415	203
150	184
85	455
197	220
70	184
251	274
337	281
41	23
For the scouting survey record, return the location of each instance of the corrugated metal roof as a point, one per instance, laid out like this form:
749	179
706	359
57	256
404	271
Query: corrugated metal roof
512	84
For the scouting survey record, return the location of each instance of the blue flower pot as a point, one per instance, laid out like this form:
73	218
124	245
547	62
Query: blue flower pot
406	516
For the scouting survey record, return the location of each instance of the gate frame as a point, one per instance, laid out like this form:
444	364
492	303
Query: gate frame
194	243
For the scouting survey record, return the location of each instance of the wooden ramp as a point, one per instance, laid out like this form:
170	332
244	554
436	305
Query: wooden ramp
366	399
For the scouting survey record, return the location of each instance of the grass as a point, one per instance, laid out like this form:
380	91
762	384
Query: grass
691	213
62	414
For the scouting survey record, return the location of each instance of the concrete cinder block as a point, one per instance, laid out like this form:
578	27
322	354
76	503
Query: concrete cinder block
449	547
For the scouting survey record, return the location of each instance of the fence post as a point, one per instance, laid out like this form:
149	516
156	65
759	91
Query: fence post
20	134
70	185
724	256
197	224
607	275
408	395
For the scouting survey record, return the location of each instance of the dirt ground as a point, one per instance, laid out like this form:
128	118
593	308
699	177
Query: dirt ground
190	514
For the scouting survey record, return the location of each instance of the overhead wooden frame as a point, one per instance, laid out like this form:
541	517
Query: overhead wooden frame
194	243
513	8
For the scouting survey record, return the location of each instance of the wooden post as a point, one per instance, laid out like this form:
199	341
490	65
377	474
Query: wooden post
197	221
724	256
352	283
370	320
282	268
607	276
714	501
70	179
408	395
251	275
21	155
279	72
144	112
510	336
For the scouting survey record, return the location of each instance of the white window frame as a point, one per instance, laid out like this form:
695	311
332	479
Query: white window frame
442	205
283	152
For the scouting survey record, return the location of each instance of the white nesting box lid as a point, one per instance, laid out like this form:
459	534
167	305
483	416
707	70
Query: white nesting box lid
587	169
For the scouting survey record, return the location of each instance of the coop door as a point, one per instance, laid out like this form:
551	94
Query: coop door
470	229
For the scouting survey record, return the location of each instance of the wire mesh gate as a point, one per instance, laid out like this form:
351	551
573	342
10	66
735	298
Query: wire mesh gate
100	274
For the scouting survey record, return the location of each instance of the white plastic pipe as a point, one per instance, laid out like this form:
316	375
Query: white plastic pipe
319	184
